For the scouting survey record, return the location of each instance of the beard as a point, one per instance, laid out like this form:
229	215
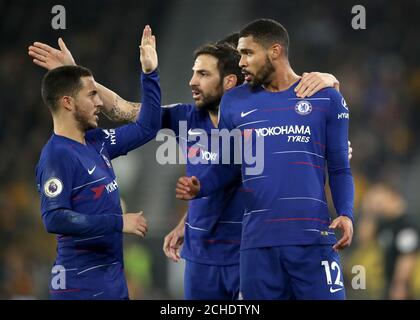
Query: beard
211	101
82	120
263	75
210	104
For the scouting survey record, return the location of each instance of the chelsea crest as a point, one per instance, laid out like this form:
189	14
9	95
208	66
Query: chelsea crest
303	107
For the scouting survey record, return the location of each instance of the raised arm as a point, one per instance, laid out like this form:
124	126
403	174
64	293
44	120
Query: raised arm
133	135
115	107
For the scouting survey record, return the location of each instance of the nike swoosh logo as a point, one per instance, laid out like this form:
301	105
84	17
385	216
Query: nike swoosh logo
193	133
335	290
91	170
244	114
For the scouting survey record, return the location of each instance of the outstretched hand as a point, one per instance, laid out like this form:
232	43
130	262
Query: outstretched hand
148	55
50	58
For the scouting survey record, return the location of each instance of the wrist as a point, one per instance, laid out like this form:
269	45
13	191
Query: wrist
181	224
349	217
149	72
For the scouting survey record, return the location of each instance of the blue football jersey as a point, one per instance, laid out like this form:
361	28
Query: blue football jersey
286	204
214	223
80	202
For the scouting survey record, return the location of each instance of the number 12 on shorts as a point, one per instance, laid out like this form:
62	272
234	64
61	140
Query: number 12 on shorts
333	266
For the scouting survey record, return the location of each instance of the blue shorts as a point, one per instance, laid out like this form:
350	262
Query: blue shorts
291	272
210	282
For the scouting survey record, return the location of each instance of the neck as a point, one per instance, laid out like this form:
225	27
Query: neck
214	117
282	78
68	129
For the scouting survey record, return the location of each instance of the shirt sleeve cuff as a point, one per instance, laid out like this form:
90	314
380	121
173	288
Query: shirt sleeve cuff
118	223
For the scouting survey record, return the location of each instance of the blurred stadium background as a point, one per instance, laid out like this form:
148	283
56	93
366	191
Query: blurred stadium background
379	73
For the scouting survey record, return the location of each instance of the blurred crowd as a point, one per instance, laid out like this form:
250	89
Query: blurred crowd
379	75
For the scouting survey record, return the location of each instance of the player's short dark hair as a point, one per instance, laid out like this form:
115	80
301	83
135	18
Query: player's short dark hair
231	39
62	81
227	59
267	32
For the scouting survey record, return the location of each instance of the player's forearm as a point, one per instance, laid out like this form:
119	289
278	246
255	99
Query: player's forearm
341	184
68	222
116	108
150	117
221	176
218	177
148	122
183	219
337	149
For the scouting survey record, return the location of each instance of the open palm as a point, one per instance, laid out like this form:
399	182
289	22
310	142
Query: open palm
50	58
148	55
